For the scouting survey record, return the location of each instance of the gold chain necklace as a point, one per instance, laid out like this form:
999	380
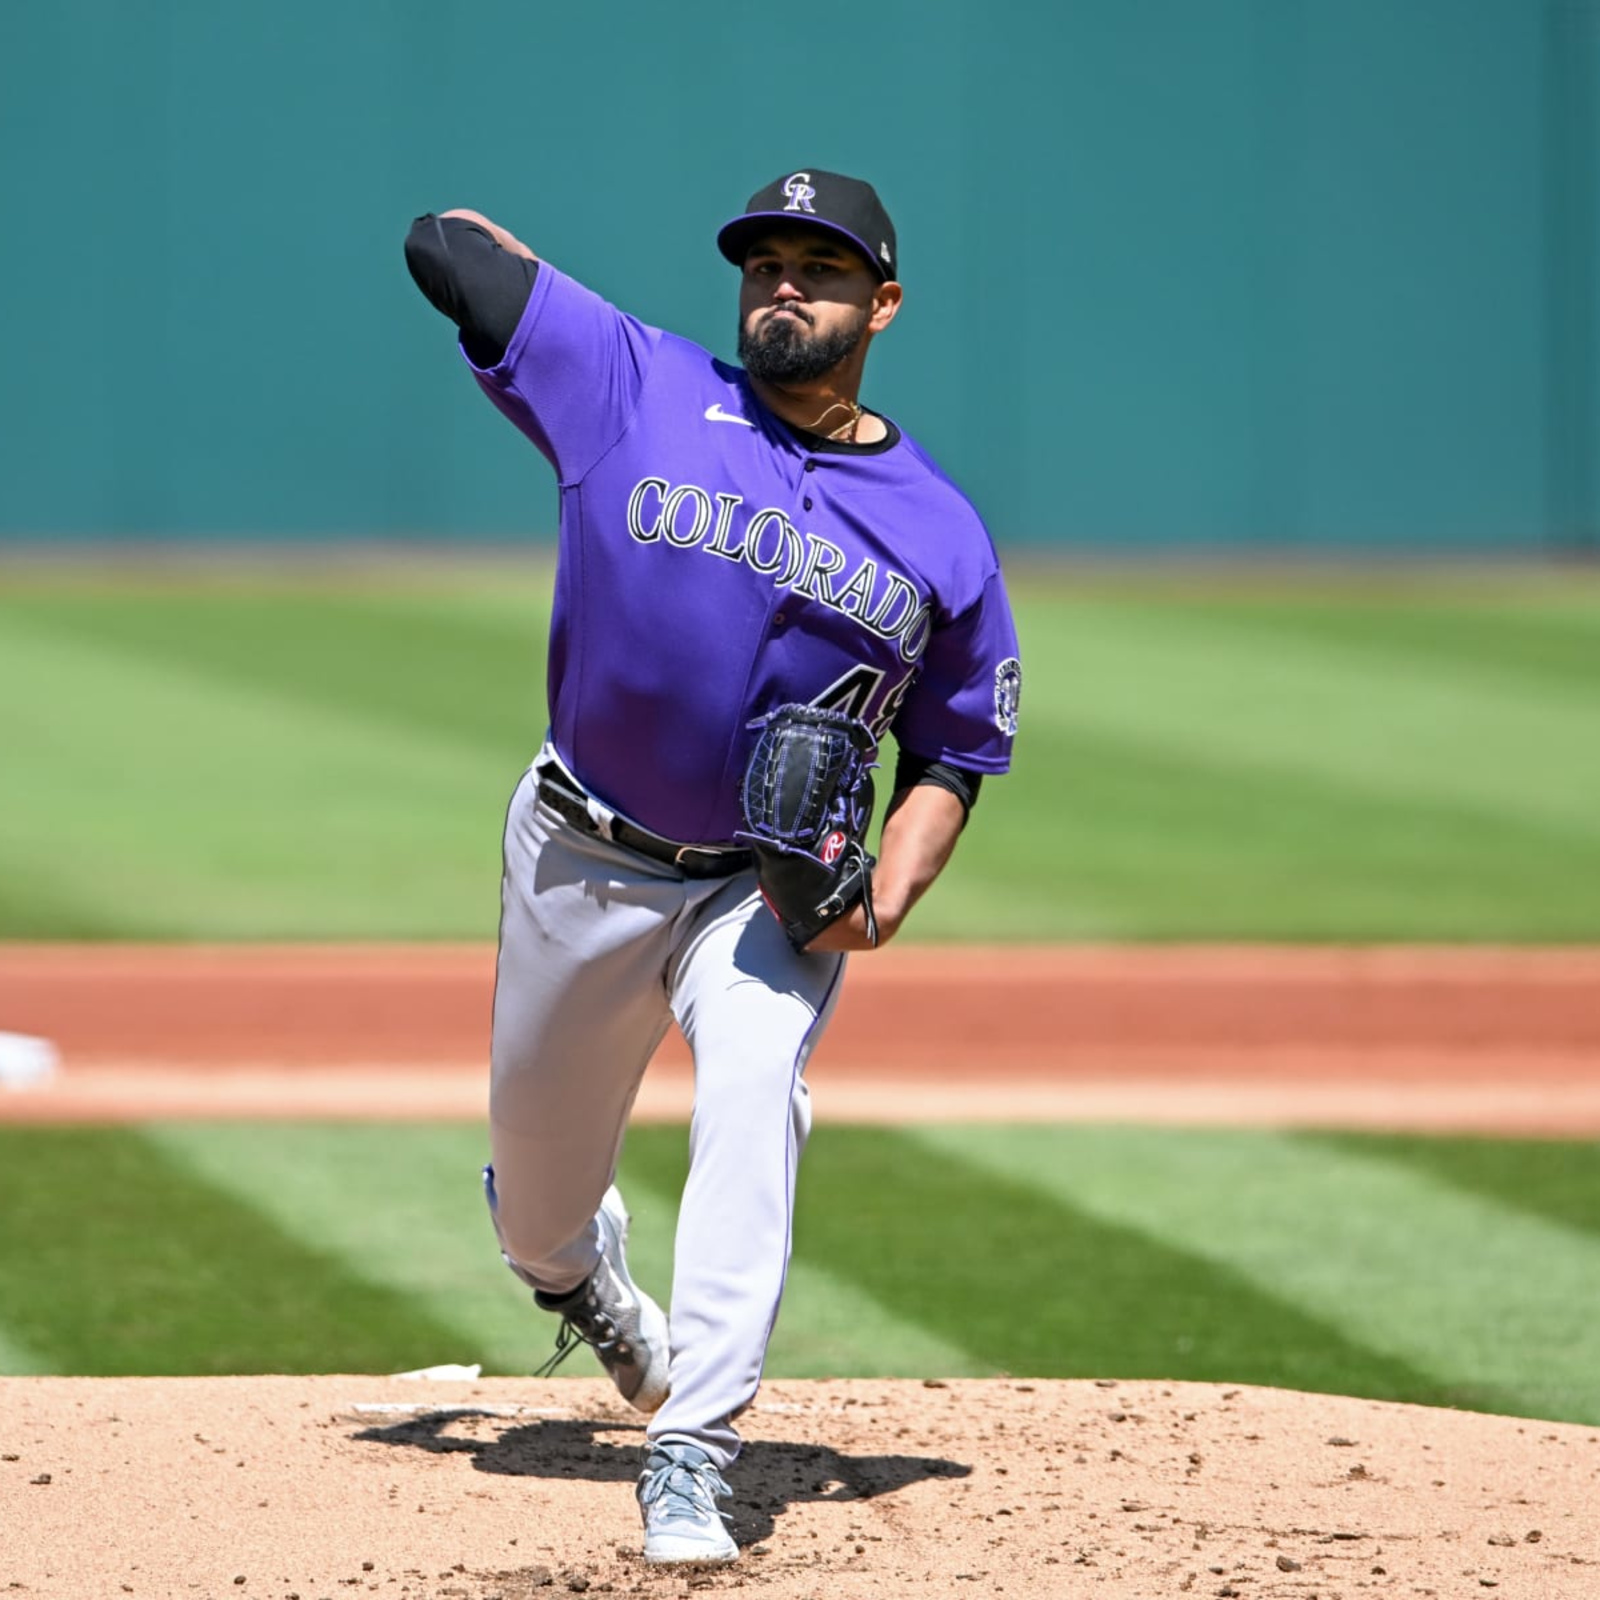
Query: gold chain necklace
845	433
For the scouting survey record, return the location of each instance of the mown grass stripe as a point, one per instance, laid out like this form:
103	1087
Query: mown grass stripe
208	810
17	1360
1139	841
1552	648
1554	1179
1492	743
36	903
1022	1283
429	666
830	1325
115	1260
1496	1307
400	1204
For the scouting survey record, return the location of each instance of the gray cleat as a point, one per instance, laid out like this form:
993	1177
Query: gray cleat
678	1493
624	1327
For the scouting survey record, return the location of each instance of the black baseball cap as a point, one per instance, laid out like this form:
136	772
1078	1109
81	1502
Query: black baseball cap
848	207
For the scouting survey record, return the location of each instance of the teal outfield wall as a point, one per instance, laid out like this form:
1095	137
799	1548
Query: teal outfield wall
1180	273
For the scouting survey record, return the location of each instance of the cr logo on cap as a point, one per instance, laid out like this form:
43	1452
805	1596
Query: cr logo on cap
800	193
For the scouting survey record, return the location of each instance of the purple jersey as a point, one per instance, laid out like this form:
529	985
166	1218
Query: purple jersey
714	565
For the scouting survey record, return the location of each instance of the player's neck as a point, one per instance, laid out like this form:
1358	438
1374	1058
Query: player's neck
829	409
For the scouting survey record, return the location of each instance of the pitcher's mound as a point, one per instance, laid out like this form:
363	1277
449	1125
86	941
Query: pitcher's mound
318	1488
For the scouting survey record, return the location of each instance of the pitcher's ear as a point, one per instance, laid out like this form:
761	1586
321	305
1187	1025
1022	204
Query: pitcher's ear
886	300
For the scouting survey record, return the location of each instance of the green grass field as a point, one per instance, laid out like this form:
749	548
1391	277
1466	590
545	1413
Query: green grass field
1441	1271
214	757
296	758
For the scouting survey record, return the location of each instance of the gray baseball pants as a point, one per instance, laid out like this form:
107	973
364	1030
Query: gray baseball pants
600	949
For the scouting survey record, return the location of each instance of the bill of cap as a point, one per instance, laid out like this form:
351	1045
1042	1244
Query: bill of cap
735	237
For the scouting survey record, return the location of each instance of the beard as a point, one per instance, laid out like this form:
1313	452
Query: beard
786	350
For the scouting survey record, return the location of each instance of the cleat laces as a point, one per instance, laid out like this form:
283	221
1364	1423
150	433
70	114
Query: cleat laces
586	1323
676	1491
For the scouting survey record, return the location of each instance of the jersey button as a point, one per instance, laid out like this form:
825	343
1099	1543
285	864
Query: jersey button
778	619
807	502
811	466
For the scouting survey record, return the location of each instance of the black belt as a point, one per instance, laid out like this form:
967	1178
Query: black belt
692	860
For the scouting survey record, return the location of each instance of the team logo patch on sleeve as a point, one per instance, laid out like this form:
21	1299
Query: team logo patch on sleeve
1007	695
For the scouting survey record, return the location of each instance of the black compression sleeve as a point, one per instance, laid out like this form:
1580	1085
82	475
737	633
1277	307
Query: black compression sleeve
466	275
911	770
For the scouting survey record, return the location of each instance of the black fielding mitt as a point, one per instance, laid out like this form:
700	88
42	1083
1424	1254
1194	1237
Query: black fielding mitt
807	802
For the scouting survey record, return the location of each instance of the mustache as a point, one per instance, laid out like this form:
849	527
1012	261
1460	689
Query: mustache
802	315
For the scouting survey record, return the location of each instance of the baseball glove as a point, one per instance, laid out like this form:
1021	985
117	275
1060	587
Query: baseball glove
807	800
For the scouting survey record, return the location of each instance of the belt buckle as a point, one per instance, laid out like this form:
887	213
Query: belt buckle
684	850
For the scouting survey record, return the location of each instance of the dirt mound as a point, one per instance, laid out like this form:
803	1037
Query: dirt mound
313	1488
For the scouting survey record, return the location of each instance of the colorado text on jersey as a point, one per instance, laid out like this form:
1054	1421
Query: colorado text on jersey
886	603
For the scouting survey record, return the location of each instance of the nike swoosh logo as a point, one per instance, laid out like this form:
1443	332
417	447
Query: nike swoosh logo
717	414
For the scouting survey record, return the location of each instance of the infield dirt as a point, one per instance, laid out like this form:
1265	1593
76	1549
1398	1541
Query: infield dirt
1455	1039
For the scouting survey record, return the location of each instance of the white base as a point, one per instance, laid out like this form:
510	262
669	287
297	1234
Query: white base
26	1062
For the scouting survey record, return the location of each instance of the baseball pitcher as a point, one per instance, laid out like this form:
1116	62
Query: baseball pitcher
758	578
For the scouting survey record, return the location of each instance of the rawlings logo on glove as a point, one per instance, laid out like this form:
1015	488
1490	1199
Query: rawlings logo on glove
807	800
